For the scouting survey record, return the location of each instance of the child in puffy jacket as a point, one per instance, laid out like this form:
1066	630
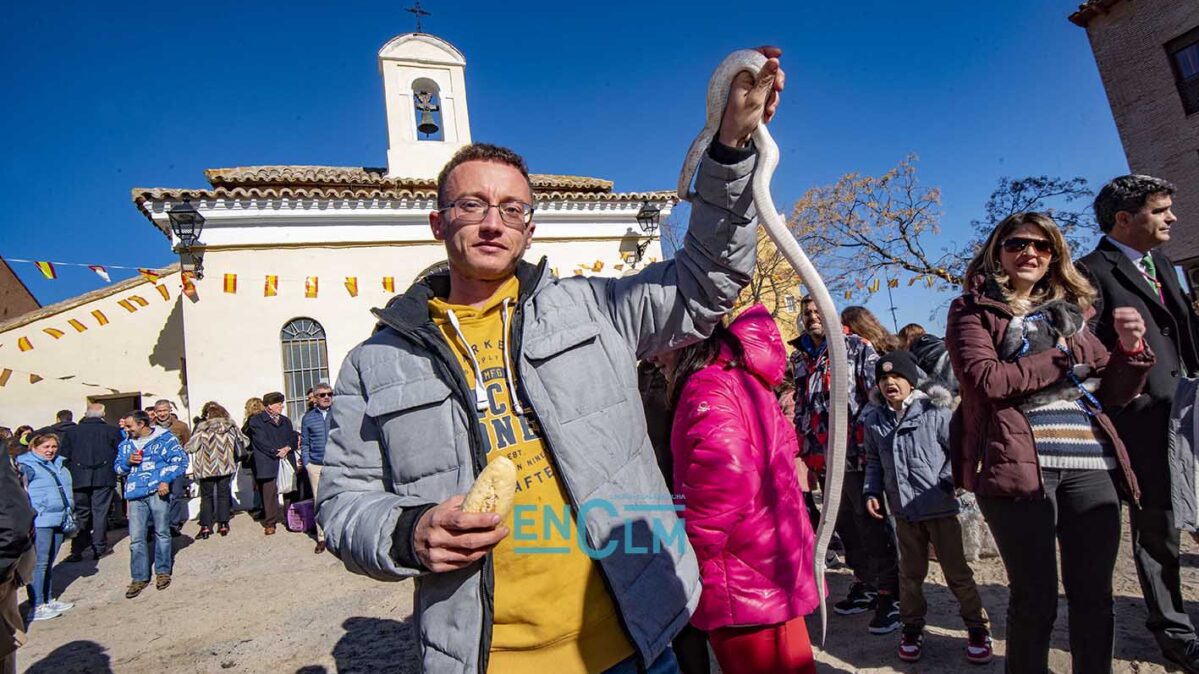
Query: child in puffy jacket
907	458
734	468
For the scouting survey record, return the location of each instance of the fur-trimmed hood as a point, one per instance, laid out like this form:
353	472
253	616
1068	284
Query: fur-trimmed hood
935	392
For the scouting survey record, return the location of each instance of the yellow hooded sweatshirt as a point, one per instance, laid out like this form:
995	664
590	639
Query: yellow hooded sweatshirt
553	614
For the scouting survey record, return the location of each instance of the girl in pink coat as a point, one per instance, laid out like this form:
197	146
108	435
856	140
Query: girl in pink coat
734	467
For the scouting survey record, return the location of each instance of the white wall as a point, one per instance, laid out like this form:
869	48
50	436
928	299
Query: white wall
138	352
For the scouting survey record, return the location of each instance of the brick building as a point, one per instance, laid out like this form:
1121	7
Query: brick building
15	298
1148	57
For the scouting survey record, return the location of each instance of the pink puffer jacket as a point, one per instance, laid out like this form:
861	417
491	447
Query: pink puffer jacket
734	466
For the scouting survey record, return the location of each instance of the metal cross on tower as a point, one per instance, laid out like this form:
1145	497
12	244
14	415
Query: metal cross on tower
417	11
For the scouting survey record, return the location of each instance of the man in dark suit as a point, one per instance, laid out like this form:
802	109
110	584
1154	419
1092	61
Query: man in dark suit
1135	215
90	447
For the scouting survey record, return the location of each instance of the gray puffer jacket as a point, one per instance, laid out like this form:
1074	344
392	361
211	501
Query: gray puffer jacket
1181	448
908	457
404	434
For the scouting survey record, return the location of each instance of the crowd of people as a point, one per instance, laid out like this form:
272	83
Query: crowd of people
1051	397
77	479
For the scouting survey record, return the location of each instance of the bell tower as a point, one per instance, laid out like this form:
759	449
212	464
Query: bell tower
424	87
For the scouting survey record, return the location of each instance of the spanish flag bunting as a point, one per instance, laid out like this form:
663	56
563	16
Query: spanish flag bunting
893	283
189	288
578	272
849	294
352	285
24	344
4	375
101	319
141	301
79	327
231	284
389	284
598	266
53	332
554	271
874	285
162	290
272	286
149	274
618	267
47	269
930	280
127	305
33	378
101	272
913	280
859	284
653	260
310	287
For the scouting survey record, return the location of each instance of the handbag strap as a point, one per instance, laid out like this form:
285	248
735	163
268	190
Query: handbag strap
62	494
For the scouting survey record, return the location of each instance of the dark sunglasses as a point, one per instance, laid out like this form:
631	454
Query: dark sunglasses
324	395
1019	244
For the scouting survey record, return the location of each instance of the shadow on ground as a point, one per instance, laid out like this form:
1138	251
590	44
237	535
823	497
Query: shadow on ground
84	657
373	645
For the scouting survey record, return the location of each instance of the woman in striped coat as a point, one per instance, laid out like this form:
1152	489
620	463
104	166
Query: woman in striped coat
214	447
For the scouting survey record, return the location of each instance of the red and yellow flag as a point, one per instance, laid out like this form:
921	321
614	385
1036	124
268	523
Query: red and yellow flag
310	287
141	301
127	305
849	294
231	284
930	280
33	378
100	317
389	284
189	288
352	285
53	332
874	285
913	280
893	283
271	288
47	269
598	266
162	290
149	274
79	327
24	344
4	375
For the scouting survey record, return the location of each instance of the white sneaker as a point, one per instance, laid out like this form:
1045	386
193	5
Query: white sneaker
60	606
43	612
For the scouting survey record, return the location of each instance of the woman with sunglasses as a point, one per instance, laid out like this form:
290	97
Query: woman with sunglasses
1046	473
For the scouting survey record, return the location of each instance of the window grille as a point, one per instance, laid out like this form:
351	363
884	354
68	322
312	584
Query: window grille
305	364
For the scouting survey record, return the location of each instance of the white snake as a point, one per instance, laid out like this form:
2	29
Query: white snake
768	158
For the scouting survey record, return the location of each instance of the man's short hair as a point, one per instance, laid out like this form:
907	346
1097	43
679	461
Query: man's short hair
480	152
1126	193
64	415
94	410
322	386
138	416
163	401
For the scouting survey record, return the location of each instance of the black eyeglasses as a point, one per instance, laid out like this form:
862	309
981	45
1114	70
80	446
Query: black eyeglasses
1019	244
326	394
472	210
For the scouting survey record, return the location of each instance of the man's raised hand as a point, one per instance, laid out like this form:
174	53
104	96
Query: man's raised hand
752	100
448	538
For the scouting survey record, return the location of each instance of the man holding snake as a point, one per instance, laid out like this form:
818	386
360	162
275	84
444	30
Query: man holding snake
495	343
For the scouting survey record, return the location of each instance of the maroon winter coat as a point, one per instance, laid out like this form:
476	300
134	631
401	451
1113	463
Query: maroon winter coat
991	442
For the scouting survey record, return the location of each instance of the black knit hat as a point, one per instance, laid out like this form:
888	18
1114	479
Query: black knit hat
901	363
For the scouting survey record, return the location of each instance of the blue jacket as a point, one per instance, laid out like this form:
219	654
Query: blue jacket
43	491
314	432
907	457
163	460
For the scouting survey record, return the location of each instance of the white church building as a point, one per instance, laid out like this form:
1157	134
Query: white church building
293	259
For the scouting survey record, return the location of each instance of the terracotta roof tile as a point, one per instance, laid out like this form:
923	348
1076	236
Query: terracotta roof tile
364	176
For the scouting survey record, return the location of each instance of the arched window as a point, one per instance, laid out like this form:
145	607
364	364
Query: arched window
426	101
305	363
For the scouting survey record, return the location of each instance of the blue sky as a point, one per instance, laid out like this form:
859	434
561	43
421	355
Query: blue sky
104	97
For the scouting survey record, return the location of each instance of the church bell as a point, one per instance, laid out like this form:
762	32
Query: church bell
427	126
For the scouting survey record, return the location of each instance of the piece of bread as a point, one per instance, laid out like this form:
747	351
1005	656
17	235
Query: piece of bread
494	490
